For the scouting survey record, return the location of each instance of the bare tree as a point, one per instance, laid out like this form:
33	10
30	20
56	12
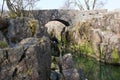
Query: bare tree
17	7
85	4
2	7
67	5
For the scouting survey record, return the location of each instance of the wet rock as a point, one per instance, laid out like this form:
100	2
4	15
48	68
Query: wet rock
56	75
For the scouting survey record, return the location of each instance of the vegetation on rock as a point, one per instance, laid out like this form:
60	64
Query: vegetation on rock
115	56
3	44
33	24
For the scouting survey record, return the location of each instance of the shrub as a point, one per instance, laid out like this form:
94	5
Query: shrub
3	44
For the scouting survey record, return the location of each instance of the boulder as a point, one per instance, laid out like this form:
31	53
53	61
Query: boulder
56	75
29	41
68	70
31	60
71	74
67	62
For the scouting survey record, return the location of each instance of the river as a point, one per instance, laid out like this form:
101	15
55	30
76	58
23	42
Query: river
94	70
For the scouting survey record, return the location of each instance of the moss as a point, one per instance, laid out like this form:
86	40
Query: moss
3	44
115	56
84	48
33	25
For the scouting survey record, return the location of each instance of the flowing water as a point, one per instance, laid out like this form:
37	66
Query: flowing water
94	70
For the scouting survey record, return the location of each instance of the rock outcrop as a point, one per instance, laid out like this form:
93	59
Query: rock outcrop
98	37
103	35
30	61
106	44
22	56
21	28
97	32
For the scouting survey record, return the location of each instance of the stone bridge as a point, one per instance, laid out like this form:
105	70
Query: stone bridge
67	17
30	59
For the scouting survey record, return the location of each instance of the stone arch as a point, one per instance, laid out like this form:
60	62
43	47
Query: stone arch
56	29
60	24
59	29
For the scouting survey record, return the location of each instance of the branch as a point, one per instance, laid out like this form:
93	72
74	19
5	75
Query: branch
94	4
80	6
87	4
2	8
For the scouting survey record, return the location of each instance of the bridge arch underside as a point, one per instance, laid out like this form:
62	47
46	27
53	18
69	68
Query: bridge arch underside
58	24
66	23
56	28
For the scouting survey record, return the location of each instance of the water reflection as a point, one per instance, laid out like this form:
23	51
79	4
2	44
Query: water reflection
94	70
